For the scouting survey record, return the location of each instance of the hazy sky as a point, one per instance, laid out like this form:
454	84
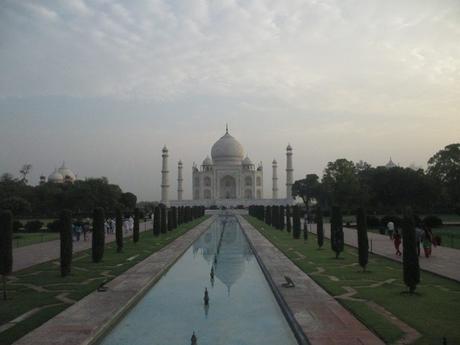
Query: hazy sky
104	84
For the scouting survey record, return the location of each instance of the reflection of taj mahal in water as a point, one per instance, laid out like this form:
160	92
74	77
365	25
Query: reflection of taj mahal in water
234	251
227	178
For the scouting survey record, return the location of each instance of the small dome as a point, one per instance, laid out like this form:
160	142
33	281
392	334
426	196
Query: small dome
274	162
165	149
289	148
66	173
207	161
227	150
247	161
56	177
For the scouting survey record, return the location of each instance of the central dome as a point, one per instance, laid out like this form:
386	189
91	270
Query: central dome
227	150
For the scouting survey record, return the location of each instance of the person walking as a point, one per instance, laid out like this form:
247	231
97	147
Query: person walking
78	230
419	235
125	225
85	230
391	229
131	223
427	241
397	241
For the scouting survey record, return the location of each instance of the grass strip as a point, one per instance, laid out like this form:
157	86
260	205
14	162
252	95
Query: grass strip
40	285
434	311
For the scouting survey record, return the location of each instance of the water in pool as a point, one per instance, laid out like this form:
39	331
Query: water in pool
242	309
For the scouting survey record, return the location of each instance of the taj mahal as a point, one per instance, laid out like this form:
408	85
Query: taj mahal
227	178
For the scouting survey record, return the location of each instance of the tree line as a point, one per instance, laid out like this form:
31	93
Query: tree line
49	199
387	190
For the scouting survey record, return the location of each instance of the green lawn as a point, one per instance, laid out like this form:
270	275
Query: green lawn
85	278
434	312
26	239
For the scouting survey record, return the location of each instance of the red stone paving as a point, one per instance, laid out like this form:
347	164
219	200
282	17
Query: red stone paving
38	253
323	320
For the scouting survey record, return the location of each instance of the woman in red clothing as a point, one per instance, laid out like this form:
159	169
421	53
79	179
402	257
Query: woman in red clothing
397	241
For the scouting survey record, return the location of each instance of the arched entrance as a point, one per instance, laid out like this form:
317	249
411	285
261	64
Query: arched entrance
227	187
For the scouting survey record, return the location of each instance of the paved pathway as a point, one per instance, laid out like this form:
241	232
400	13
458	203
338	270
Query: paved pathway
444	261
88	319
38	253
323	320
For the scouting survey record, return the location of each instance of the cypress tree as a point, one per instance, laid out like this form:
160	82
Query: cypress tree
269	216
296	222
163	225
119	229
170	220
288	218
6	246
65	229
336	231
305	231
411	266
136	225
156	221
174	217
98	234
319	227
281	218
363	243
275	216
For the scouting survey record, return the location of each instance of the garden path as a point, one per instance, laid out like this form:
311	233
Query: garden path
444	261
38	253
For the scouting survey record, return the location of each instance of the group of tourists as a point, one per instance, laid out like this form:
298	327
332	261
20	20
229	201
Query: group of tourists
423	237
83	227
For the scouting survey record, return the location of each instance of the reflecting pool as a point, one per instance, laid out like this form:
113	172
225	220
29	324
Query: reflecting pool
242	309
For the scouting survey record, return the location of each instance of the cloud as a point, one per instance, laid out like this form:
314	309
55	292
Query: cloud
285	67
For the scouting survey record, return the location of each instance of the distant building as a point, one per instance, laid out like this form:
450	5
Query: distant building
390	164
61	175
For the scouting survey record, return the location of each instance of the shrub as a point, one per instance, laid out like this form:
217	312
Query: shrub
98	234
163	215
33	226
432	221
65	225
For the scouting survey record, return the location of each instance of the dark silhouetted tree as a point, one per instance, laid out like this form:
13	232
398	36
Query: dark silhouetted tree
296	230
288	218
319	227
136	225
411	266
156	221
65	229
336	231
363	243
119	229
163	224
6	246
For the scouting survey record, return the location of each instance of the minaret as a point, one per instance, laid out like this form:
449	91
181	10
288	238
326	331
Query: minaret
289	172
164	177
179	181
275	180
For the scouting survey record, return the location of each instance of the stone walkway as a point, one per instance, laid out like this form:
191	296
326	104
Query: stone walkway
444	261
38	253
86	320
322	319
